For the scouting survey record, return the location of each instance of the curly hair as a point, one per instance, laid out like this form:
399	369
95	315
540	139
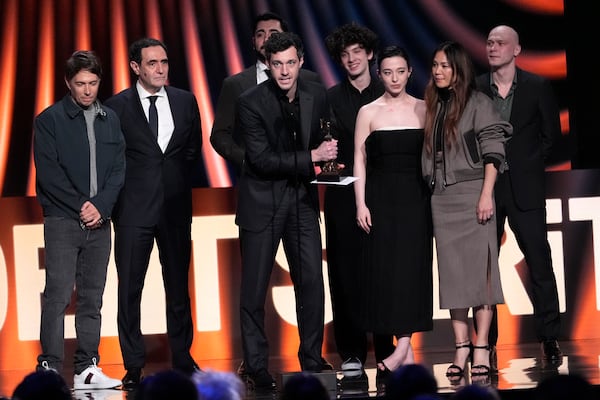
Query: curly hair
347	35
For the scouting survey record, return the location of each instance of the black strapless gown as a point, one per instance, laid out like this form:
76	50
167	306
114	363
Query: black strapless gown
397	253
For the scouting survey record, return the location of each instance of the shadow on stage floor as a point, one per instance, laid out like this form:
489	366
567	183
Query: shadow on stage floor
520	370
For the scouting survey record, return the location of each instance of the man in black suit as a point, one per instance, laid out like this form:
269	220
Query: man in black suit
221	136
161	125
279	123
528	103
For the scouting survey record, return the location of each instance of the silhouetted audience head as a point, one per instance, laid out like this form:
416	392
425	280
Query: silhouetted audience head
168	384
216	385
426	397
559	387
476	392
304	386
42	385
409	381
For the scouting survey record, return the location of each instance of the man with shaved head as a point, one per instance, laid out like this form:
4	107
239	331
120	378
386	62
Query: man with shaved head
527	101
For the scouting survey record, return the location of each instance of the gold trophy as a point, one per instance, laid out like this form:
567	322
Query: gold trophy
330	172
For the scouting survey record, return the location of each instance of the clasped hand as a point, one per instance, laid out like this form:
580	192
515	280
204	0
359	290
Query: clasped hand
90	216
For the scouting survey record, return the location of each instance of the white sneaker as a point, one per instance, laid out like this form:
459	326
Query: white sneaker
93	378
352	367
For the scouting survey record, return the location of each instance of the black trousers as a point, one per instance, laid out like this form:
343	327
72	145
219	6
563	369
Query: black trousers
343	241
529	227
296	224
133	245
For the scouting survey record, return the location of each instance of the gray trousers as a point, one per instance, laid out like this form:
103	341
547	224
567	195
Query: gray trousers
74	259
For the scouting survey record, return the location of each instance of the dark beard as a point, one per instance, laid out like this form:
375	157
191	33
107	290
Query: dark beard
260	57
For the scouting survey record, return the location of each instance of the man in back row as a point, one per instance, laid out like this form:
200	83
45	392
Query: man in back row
525	100
221	136
353	47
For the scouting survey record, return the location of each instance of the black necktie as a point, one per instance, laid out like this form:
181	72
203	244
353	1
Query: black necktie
153	115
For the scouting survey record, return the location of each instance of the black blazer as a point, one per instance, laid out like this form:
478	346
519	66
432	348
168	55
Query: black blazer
157	182
535	118
271	161
221	136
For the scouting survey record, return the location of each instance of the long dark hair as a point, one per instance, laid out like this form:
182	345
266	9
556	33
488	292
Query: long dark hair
463	84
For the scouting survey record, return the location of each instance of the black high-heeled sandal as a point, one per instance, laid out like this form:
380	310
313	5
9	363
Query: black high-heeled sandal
383	372
484	369
493	359
458	371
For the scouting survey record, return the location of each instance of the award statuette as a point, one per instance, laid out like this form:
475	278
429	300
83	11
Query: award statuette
330	170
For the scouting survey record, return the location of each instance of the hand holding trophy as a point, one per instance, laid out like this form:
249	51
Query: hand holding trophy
330	172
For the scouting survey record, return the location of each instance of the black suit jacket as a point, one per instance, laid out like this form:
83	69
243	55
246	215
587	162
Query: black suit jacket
535	118
157	182
221	136
272	163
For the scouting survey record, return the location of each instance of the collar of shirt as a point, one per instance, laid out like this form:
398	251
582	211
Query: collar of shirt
261	75
166	125
161	100
144	94
494	87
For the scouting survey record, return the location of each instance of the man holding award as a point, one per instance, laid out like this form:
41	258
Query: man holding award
279	124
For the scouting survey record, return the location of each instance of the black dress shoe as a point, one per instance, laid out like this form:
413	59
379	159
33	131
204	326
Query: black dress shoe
132	379
196	368
326	365
261	380
189	369
551	351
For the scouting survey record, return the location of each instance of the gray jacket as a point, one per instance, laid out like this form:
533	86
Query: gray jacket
481	133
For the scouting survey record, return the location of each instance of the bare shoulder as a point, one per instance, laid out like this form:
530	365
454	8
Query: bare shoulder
366	110
372	107
420	107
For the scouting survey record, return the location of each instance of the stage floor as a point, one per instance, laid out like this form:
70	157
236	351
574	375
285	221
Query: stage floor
520	370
